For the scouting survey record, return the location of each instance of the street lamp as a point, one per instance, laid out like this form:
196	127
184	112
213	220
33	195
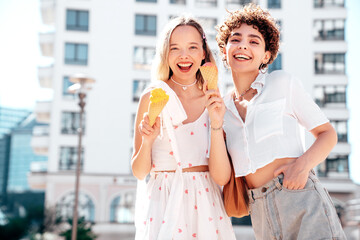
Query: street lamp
80	87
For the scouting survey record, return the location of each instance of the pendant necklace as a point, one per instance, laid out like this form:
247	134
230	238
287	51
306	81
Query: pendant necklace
237	99
184	86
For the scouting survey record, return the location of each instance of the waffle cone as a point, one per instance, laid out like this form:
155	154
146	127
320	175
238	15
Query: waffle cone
158	100
210	74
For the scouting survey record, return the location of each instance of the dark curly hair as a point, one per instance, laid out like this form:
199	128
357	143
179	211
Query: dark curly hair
254	16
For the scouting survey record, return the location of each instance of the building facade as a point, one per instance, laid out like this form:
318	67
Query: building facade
115	43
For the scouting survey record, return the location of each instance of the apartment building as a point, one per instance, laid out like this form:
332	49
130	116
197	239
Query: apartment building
114	42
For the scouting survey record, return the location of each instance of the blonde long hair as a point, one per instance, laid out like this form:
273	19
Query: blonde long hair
160	67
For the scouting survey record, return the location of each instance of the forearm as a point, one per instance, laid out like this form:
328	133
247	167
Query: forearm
319	150
141	162
219	165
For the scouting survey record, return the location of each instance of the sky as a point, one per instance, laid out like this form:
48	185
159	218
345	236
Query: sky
20	24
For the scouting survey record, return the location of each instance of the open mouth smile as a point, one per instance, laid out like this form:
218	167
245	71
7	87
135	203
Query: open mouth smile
242	57
184	67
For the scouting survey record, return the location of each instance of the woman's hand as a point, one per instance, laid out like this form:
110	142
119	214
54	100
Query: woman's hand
295	174
147	132
215	106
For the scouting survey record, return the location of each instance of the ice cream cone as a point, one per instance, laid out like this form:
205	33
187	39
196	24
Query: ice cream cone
158	100
210	74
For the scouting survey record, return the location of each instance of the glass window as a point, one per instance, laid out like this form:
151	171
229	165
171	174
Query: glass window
182	2
70	122
328	3
66	85
205	3
208	25
337	164
276	65
122	208
239	2
145	25
68	158
341	129
143	57
77	20
329	29
330	94
138	88
274	3
330	63
76	53
86	207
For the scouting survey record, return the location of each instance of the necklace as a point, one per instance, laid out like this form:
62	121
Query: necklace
184	86
241	95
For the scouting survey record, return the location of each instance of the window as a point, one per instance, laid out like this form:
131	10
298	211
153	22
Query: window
239	2
86	207
77	20
208	25
205	3
246	220
274	3
329	29
138	88
337	165
66	85
182	2
276	64
143	57
341	129
330	63
76	53
70	122
329	3
279	25
68	158
145	25
132	124
122	208
330	94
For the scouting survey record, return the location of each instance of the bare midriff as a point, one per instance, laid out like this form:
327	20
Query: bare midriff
266	173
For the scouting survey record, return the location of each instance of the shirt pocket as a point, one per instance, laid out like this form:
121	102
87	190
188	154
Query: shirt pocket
269	119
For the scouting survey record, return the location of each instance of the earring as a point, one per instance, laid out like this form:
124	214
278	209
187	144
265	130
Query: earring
263	70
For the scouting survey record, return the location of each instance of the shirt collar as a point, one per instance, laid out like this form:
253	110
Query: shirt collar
258	84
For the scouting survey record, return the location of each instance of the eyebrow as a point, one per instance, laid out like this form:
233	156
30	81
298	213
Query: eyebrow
189	43
250	35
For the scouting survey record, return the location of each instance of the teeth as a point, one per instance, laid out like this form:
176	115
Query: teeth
241	56
184	64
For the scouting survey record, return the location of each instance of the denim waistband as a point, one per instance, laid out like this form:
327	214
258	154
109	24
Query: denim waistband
275	183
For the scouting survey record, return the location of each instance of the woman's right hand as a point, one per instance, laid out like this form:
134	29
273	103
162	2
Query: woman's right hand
147	132
216	107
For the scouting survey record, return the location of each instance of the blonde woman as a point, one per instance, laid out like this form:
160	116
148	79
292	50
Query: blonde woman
180	199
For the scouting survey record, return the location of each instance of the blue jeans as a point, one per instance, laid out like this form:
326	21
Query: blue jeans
280	213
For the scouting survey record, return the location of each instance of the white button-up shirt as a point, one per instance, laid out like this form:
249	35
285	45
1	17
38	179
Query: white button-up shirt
271	128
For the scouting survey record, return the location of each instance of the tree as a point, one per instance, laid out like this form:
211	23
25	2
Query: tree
84	231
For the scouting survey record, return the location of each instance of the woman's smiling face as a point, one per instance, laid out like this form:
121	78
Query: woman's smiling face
185	52
245	49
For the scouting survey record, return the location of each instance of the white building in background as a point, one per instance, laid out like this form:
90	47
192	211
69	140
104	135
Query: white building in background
114	42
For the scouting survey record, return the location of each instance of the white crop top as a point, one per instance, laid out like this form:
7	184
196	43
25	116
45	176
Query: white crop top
271	129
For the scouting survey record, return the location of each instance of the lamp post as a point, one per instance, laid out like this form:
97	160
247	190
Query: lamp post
80	81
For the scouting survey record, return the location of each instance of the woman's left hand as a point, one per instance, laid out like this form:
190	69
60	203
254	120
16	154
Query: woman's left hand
295	175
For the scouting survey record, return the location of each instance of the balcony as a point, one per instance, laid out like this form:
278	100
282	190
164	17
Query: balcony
40	140
47	43
42	111
48	11
45	76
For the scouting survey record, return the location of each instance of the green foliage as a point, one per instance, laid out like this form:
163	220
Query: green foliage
84	231
14	229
